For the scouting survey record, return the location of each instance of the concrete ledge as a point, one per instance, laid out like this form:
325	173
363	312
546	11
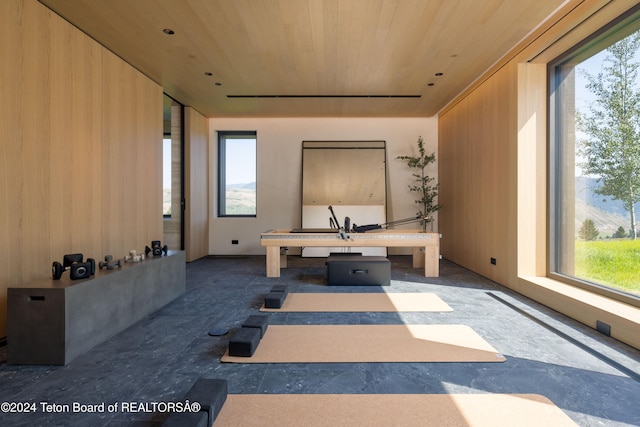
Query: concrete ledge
50	322
584	306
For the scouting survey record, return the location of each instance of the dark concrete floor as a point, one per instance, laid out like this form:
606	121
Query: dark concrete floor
592	378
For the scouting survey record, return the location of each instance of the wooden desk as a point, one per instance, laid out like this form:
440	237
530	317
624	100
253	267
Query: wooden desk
273	240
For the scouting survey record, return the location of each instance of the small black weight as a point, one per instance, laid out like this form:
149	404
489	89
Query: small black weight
69	259
83	270
73	262
80	271
56	270
156	248
109	263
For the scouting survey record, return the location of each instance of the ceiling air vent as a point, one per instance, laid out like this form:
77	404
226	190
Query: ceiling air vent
324	96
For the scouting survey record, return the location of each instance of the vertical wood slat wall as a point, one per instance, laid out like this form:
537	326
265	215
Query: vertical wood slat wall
479	135
477	148
196	185
80	148
493	174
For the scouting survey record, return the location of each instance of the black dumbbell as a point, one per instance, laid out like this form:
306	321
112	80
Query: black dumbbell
156	248
109	263
78	269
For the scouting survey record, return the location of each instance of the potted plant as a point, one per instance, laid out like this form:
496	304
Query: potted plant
424	184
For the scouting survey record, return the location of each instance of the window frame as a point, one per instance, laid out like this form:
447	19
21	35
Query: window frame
591	45
166	137
221	187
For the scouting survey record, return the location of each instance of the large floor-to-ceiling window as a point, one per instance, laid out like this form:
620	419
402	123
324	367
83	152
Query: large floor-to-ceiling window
595	161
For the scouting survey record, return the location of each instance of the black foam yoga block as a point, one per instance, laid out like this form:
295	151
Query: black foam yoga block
244	342
211	394
274	299
259	321
280	288
187	419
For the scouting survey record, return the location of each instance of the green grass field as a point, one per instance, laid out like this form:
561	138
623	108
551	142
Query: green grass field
241	201
613	263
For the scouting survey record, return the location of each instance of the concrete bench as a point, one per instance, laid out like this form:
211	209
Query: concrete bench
50	322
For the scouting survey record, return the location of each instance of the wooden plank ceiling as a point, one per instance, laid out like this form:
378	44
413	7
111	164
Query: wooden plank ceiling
309	58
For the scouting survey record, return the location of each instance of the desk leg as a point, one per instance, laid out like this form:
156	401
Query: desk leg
273	261
431	261
418	257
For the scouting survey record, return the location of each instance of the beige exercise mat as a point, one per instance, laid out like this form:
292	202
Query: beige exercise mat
369	343
361	302
402	410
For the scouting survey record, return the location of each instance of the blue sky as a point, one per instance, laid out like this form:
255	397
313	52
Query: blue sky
241	161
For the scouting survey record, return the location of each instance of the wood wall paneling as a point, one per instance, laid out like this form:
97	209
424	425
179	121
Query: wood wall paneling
36	164
80	148
148	182
196	185
477	178
131	158
531	161
11	147
505	111
116	159
342	176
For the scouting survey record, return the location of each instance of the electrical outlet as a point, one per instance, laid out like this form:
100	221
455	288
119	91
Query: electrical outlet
493	261
603	328
234	242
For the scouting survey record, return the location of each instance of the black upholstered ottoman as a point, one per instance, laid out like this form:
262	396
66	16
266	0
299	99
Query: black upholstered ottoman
358	270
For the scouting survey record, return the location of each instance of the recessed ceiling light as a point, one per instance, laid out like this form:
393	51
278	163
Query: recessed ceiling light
168	31
218	84
430	84
438	74
208	73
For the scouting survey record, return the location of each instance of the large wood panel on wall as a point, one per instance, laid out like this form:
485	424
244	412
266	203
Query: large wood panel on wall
196	185
80	147
73	200
477	148
131	158
344	173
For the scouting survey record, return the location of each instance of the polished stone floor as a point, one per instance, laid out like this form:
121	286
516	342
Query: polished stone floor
594	379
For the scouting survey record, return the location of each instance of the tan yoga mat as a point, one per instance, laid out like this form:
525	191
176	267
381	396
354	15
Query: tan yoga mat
361	302
401	410
369	343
